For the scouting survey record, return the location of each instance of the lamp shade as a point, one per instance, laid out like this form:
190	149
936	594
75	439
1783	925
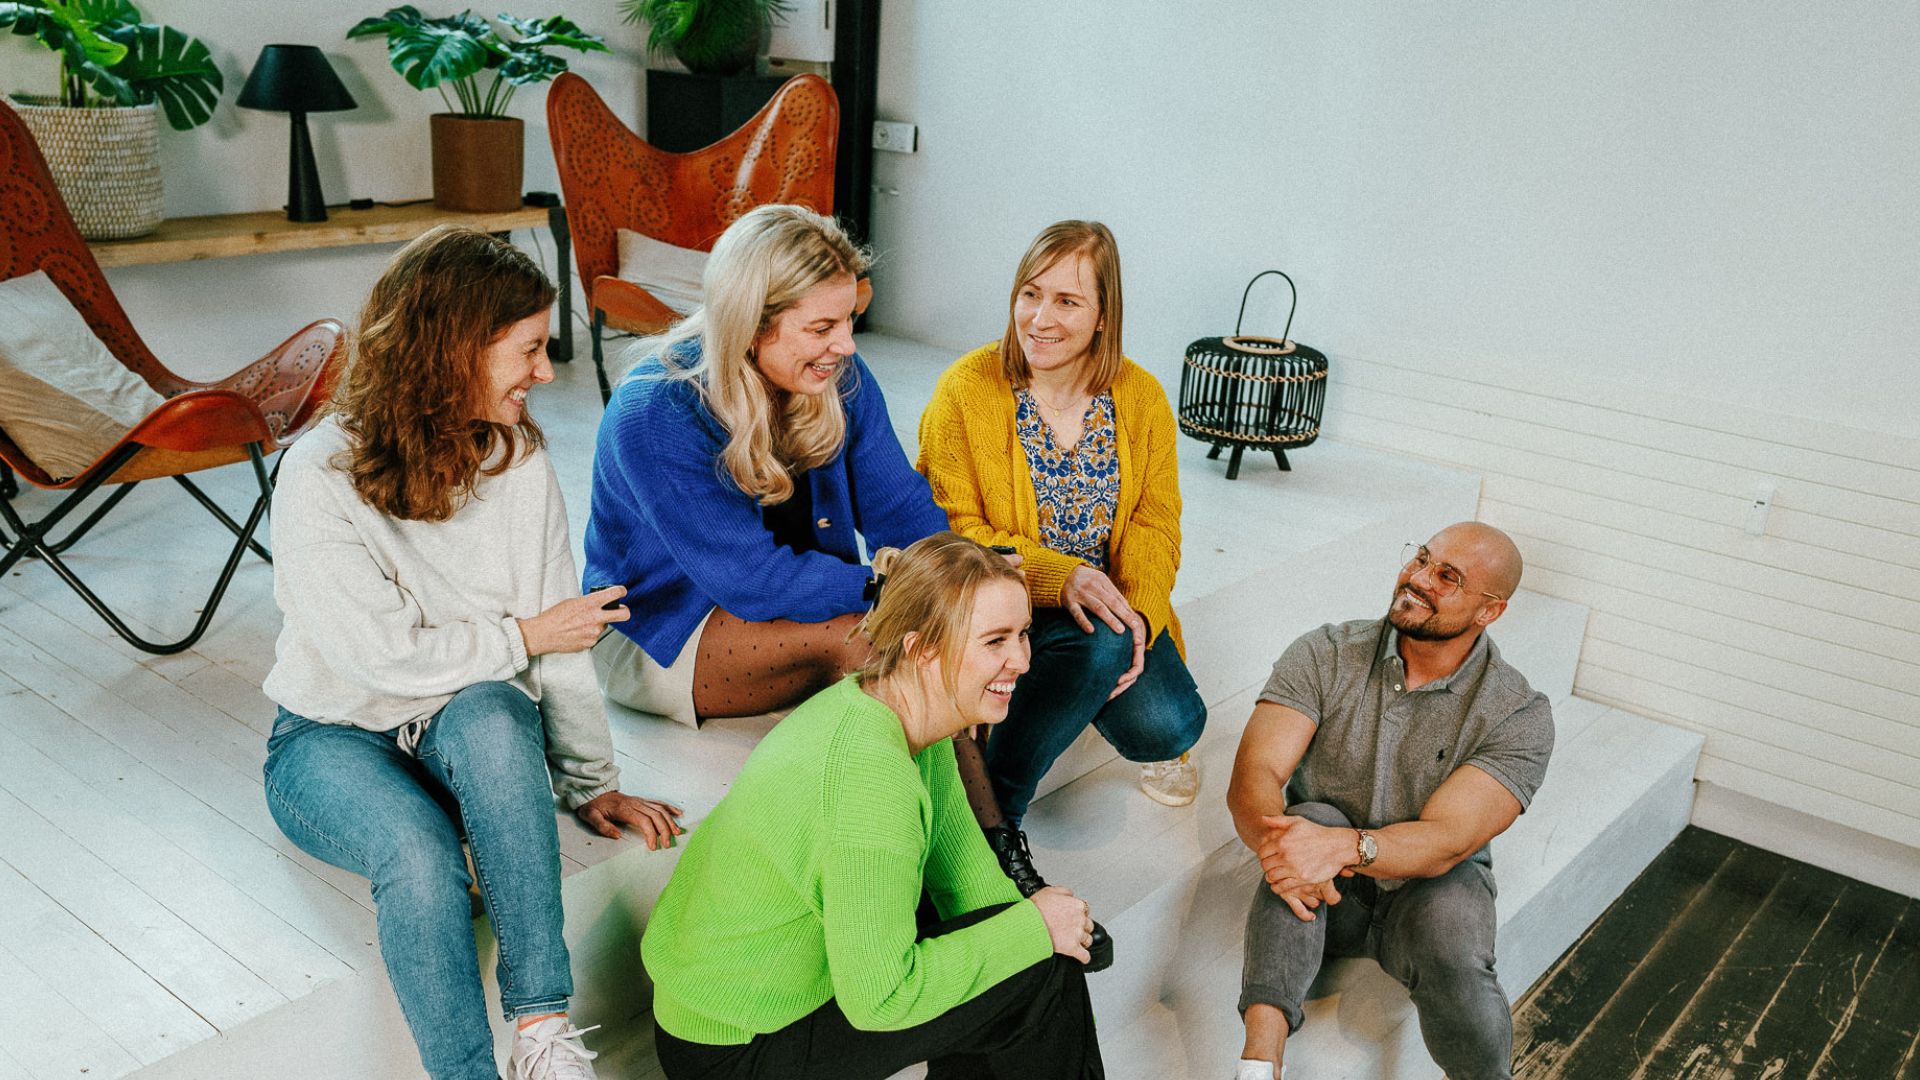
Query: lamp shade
294	78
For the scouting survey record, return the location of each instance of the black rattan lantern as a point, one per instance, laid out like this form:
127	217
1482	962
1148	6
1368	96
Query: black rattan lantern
1247	391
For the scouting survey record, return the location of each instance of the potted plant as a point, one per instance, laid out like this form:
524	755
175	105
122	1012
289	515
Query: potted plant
100	132
711	37
478	150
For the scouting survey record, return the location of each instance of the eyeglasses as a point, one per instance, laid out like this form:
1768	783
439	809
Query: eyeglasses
1447	580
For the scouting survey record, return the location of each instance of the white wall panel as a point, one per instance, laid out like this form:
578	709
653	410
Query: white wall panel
1798	677
1796	655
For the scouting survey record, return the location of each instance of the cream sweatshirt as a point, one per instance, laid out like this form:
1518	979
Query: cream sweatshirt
385	619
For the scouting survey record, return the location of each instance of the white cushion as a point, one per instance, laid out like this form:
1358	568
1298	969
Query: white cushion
64	399
672	274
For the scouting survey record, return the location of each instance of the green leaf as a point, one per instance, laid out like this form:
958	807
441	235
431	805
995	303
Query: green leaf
437	51
458	48
399	19
554	31
24	16
167	66
105	14
105	84
63	29
531	66
104	45
526	61
705	34
668	21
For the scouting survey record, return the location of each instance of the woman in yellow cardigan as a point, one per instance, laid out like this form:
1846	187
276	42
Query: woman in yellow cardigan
1055	444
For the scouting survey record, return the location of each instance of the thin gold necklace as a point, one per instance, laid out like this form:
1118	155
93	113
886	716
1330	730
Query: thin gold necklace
1050	406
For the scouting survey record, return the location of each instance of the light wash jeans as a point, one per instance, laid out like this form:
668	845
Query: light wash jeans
1434	935
1158	718
354	799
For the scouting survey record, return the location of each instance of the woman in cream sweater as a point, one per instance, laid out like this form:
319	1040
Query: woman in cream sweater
432	673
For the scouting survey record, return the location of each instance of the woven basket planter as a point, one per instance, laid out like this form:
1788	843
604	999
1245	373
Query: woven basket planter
1249	392
106	163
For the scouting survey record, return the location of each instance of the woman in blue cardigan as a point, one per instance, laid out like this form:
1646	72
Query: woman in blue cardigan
736	463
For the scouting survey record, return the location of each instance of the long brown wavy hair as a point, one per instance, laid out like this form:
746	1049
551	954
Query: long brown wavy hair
412	395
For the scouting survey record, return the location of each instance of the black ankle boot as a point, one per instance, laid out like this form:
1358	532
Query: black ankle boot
1016	861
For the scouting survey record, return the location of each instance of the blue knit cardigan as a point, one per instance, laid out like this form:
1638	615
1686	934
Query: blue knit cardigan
668	522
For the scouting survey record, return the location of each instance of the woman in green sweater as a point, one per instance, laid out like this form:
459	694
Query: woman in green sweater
787	943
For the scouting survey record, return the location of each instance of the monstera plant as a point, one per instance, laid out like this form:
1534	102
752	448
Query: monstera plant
477	149
99	130
109	56
458	50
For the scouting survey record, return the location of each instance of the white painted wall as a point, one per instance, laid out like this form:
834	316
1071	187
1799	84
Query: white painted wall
1626	260
1705	197
238	162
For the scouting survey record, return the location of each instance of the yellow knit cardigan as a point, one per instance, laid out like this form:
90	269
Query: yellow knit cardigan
972	458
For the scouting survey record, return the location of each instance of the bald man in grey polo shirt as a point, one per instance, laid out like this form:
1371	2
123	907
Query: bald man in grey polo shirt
1382	758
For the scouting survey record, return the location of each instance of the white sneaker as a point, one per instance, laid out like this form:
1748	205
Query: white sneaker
1173	783
551	1050
1257	1070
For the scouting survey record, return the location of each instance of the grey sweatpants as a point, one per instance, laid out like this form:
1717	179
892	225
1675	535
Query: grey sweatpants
1435	935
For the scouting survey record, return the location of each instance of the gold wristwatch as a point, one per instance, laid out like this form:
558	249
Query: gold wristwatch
1368	849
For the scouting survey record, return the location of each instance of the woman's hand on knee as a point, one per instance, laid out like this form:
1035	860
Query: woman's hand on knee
573	625
653	820
1088	592
1138	627
1069	921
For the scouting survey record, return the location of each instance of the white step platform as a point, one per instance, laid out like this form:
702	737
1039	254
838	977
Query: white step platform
182	937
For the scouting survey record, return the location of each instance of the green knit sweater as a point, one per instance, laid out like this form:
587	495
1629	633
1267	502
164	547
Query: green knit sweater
802	885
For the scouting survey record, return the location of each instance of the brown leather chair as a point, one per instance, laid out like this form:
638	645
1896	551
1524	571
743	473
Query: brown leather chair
259	409
611	179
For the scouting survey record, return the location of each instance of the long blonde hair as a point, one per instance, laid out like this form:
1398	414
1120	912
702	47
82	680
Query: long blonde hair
761	266
1061	240
930	591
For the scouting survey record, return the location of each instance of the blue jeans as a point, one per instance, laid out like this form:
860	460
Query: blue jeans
353	798
1158	718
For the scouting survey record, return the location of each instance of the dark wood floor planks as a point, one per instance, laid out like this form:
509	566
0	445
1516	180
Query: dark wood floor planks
1744	984
1577	988
1725	961
1880	1034
1629	1027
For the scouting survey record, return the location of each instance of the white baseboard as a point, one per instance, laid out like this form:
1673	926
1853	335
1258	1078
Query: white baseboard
1799	835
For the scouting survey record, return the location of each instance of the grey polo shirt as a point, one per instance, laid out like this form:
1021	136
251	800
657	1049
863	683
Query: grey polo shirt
1379	750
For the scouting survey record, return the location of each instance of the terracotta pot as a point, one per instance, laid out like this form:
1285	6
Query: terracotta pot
477	162
106	163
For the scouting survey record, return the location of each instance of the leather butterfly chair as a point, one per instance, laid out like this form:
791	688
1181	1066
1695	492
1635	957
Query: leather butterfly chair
258	410
612	179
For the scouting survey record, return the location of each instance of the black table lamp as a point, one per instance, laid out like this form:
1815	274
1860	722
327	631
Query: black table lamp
297	79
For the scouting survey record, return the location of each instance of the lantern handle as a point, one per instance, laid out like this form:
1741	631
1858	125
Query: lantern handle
1243	302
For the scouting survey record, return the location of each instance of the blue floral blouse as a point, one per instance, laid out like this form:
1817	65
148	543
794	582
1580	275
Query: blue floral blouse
1077	489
